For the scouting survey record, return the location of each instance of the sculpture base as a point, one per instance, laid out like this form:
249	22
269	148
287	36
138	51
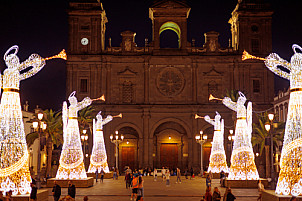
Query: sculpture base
272	196
245	183
79	183
42	195
215	175
106	176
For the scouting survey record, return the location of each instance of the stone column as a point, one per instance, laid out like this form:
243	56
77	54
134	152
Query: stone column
146	117
140	152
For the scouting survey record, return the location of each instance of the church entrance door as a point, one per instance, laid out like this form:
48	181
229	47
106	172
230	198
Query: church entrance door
128	158
168	155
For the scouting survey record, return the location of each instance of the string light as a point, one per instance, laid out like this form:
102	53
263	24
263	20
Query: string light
242	160
98	159
71	160
217	157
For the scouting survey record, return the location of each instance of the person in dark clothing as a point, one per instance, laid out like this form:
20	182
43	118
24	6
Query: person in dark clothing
192	173
1	196
208	195
216	194
33	193
230	196
102	175
96	175
56	191
71	189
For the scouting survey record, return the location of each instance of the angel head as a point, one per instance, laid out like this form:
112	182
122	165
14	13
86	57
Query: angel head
72	99
217	116
12	60
296	59
99	116
241	100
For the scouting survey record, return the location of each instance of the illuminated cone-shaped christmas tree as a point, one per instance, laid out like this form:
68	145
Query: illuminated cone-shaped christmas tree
217	157
14	171
98	160
71	160
290	176
242	160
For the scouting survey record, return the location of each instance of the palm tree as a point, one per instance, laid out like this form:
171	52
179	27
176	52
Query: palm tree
85	118
53	134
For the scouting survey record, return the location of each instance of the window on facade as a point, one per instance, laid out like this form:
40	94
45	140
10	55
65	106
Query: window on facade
84	85
127	92
254	28
256	86
212	88
86	27
255	45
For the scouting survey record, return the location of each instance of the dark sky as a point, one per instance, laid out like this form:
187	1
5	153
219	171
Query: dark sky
40	26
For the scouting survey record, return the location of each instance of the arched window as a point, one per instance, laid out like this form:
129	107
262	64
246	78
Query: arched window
170	35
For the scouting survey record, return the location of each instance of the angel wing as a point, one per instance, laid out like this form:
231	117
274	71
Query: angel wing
222	129
65	119
249	120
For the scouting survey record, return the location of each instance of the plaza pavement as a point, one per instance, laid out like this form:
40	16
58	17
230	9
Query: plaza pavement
188	190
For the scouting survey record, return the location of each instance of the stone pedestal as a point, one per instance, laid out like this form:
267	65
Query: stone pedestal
42	195
272	196
106	176
79	183
245	183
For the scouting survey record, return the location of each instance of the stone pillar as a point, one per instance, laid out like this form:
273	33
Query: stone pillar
151	148
140	152
146	117
190	152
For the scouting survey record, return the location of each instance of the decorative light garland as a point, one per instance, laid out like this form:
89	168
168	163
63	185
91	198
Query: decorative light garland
242	160
71	160
217	157
98	160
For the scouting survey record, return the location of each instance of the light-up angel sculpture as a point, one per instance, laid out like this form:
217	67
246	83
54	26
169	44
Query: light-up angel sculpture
290	176
242	160
14	171
71	160
217	157
98	158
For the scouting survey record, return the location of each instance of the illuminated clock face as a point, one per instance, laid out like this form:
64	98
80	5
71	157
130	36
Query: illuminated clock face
84	41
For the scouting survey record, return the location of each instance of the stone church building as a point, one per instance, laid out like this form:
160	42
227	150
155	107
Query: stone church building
159	90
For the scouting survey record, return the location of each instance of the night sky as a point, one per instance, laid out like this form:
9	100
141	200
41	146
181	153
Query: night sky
40	26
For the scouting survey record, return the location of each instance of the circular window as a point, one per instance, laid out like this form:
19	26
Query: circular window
170	81
255	28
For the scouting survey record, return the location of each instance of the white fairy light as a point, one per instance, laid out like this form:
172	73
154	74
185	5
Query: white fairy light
290	177
14	171
242	160
98	159
71	160
217	157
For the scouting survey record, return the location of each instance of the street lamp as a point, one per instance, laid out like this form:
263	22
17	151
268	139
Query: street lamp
84	138
201	138
268	127
40	126
231	138
117	140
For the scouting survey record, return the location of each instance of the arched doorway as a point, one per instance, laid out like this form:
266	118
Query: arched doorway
128	149
170	146
170	35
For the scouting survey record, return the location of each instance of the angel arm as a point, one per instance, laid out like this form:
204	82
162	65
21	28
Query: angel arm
108	119
229	103
273	61
37	64
209	120
84	103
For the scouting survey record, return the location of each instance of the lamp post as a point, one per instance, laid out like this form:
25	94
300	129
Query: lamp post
116	140
40	126
231	138
269	127
84	138
201	138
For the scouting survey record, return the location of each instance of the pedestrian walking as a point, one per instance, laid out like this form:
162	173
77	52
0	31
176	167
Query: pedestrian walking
155	174
230	196
134	186
96	175
1	196
260	189
225	194
167	175
131	179
71	189
178	174
9	196
163	174
208	181
192	173
186	173
216	194
56	191
293	198
140	186
33	193
102	175
114	174
127	180
208	195
85	198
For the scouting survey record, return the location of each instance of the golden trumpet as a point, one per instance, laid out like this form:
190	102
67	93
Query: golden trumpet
100	98
120	115
61	55
198	117
246	56
213	98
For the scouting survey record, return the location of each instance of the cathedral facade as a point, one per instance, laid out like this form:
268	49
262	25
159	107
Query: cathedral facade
159	90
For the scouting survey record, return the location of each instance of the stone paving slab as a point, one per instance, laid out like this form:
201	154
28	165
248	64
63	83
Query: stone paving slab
188	190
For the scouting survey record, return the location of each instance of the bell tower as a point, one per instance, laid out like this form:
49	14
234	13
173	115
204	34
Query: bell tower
87	27
251	27
169	15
